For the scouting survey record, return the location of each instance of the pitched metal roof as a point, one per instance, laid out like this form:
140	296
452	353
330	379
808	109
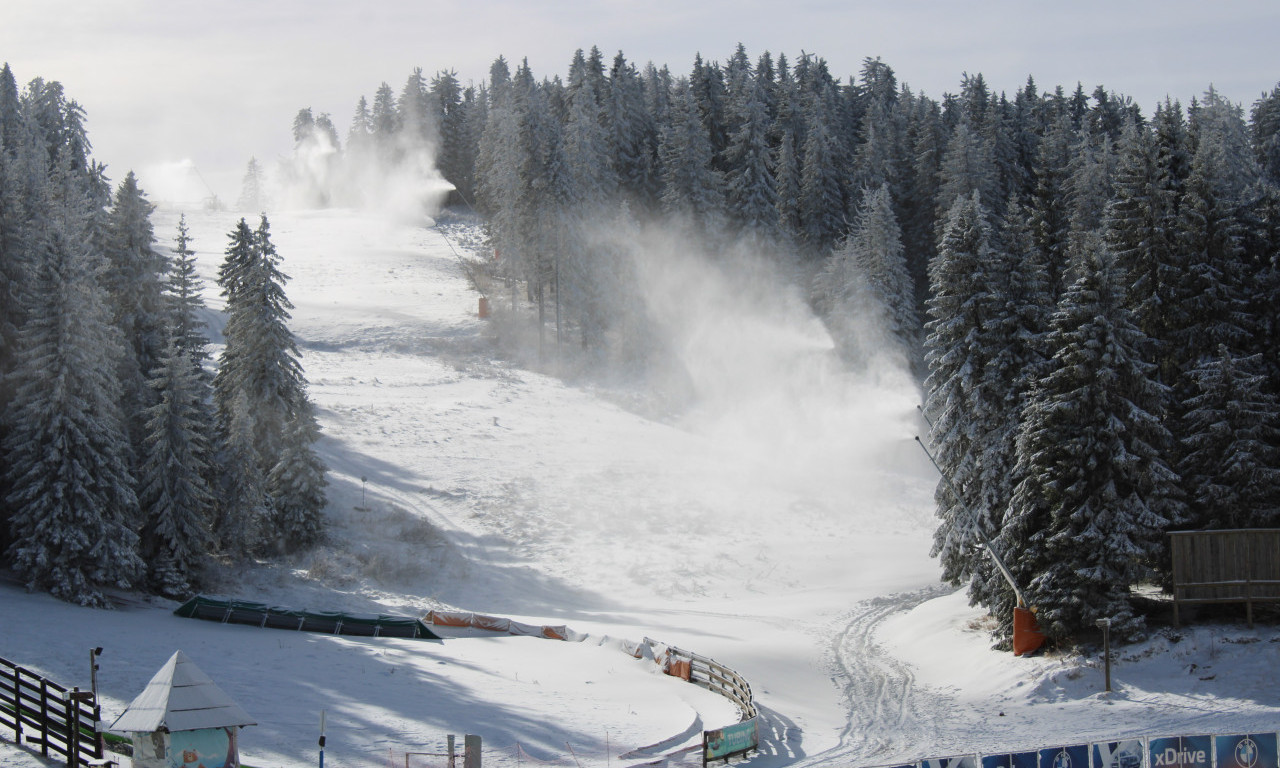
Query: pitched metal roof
180	698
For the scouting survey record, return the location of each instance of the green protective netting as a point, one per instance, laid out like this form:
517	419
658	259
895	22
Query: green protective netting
330	622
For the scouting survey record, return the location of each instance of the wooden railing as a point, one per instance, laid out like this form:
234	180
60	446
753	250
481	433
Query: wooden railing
43	715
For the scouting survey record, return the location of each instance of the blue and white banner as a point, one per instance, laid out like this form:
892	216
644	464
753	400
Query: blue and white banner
1182	752
1012	760
1075	756
1119	754
961	761
1255	750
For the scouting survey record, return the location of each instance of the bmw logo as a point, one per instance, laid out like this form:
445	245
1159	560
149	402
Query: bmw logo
1246	753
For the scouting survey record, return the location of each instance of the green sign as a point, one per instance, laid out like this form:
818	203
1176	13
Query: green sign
731	740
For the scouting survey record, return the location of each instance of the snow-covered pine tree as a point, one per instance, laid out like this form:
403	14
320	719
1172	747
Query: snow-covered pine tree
750	185
1230	463
967	388
10	111
418	122
1095	494
1088	189
968	166
252	196
69	486
692	189
586	185
1050	218
260	356
450	114
296	483
822	207
242	515
706	86
134	280
864	288
185	300
173	489
1208	304
1264	123
918	197
632	134
260	360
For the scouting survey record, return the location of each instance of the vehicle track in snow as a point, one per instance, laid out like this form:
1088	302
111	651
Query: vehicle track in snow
888	715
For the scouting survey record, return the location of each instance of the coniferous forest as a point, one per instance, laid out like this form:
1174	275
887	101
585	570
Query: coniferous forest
127	461
1087	289
1085	286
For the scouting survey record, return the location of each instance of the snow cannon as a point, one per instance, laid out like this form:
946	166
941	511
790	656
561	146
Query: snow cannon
1027	637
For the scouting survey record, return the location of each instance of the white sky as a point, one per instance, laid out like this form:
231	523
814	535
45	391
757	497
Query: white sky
165	81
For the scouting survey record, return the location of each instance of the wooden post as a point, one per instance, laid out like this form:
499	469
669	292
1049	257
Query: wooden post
99	745
44	718
17	706
73	728
1248	599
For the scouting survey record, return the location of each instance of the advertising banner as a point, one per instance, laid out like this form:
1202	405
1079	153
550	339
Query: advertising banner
1181	752
730	740
1075	756
959	761
1012	760
1255	750
1119	754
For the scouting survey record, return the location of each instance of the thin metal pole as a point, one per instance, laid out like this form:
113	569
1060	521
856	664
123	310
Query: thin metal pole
1106	652
1004	570
322	740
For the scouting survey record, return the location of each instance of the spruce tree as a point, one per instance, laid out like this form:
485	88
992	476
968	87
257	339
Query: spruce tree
822	204
1230	435
176	500
968	313
296	484
1095	493
260	366
750	183
135	284
184	293
69	485
865	288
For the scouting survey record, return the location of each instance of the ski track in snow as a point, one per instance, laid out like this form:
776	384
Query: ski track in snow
887	714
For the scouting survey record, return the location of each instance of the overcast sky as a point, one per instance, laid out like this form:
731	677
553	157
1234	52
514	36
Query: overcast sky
212	82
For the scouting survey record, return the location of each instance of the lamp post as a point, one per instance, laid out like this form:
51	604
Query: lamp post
1105	626
94	653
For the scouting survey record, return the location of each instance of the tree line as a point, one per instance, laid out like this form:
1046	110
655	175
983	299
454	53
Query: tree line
1088	291
130	459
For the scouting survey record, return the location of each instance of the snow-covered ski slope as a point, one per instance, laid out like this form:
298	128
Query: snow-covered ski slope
777	519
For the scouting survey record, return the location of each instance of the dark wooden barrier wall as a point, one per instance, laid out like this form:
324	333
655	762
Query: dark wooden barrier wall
1236	566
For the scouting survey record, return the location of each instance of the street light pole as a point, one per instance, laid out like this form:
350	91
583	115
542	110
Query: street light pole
94	653
1105	626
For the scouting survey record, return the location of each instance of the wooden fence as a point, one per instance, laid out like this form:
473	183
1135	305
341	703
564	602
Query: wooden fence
41	714
1236	566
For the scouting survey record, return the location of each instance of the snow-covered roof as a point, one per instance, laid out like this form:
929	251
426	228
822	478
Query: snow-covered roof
180	698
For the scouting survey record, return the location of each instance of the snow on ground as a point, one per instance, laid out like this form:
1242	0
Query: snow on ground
779	524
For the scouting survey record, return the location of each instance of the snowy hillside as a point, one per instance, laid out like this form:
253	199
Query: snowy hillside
780	523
